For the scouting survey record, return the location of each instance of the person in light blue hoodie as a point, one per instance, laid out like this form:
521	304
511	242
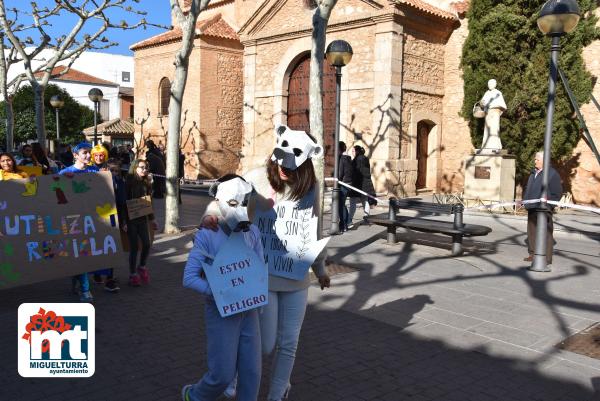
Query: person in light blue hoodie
233	342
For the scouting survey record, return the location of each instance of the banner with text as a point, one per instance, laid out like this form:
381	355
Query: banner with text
55	226
289	237
238	278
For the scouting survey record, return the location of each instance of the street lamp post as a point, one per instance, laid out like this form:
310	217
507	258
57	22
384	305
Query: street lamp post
95	96
557	17
338	54
57	102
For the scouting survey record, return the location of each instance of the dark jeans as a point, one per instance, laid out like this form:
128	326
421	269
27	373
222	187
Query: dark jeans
531	229
158	187
138	229
343	210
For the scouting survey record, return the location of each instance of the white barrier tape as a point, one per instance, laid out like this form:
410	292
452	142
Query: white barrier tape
525	202
384	201
578	207
504	204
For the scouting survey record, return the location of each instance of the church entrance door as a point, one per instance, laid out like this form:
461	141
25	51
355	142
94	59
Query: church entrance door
298	104
422	153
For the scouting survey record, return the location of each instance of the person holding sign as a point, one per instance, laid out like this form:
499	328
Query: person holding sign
138	185
222	263
81	155
8	168
285	211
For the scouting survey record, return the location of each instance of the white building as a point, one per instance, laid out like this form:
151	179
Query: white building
113	74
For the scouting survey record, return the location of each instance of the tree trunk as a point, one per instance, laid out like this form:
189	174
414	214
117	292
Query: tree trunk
316	100
173	135
10	124
317	52
40	122
188	26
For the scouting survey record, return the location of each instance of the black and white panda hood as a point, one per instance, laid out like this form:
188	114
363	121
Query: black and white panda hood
294	147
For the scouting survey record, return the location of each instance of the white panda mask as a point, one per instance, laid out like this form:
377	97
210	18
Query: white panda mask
293	148
232	197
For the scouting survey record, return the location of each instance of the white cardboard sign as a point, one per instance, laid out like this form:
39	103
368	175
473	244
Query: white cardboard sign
237	277
289	238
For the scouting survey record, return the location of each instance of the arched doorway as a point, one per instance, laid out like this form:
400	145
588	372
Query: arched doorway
299	104
423	130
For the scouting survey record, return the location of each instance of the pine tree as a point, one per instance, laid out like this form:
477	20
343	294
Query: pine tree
505	43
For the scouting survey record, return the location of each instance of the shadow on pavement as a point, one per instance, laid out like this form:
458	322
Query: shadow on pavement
150	342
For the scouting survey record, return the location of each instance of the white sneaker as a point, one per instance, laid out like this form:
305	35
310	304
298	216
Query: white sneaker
231	390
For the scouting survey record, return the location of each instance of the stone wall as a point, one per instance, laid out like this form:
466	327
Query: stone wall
585	185
456	142
211	122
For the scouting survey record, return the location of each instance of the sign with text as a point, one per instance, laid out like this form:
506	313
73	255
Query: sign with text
289	238
56	226
139	207
238	278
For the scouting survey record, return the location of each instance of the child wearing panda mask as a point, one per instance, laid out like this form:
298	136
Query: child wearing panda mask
233	342
289	175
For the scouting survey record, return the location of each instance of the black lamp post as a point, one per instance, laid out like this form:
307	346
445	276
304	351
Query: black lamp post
57	102
338	54
95	96
557	17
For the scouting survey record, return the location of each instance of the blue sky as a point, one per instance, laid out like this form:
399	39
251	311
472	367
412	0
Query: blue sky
158	12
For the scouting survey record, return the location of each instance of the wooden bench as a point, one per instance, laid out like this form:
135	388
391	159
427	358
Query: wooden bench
456	229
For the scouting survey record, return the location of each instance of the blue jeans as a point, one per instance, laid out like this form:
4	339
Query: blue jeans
84	282
233	344
343	210
280	324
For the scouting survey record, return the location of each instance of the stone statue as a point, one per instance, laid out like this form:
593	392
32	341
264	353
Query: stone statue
492	104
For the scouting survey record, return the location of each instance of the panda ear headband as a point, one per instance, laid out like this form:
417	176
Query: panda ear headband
294	147
248	189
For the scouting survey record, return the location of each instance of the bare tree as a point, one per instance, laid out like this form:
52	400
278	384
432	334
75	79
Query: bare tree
5	62
187	22
138	144
322	12
67	47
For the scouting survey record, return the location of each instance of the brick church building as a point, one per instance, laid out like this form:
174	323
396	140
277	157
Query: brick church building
401	93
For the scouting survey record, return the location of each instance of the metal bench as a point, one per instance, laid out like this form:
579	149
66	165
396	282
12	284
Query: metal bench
456	229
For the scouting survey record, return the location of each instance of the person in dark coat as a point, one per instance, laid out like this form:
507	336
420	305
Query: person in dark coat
158	171
345	173
180	173
361	180
533	190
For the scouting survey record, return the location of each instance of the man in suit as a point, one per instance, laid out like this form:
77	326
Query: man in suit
534	191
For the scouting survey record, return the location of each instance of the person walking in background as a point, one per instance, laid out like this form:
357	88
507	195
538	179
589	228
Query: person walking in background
180	173
345	173
156	164
361	180
138	185
26	156
65	156
533	190
41	159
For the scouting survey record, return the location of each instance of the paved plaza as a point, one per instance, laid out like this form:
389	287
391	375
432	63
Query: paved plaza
408	323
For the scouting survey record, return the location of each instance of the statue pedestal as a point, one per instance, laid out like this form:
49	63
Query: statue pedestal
490	176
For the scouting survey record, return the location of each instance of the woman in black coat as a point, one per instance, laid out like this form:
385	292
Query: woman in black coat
361	180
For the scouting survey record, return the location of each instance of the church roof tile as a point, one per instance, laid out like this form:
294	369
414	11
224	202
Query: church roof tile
215	26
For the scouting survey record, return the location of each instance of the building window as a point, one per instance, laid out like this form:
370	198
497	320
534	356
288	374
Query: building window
125	76
105	110
164	95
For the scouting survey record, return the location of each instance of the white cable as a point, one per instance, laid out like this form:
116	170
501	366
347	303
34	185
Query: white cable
385	201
